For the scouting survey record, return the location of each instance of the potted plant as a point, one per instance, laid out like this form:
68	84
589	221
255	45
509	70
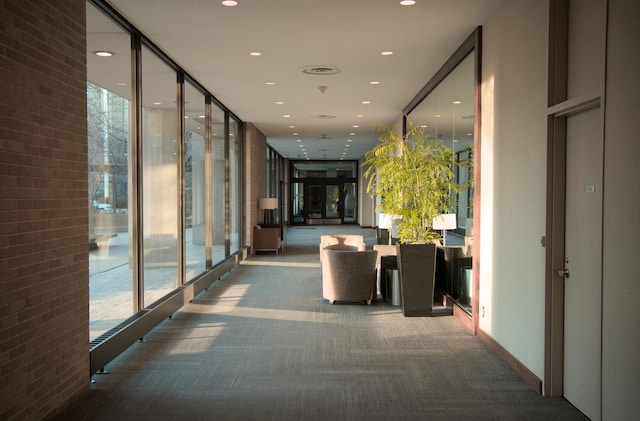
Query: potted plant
413	175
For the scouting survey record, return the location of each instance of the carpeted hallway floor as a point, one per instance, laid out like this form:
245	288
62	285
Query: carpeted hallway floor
262	344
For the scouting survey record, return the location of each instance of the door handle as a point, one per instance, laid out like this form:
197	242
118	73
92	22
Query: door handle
564	273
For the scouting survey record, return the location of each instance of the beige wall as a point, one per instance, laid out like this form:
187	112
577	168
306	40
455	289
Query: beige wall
621	265
513	190
513	180
44	297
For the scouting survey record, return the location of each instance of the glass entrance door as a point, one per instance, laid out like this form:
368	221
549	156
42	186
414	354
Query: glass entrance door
324	204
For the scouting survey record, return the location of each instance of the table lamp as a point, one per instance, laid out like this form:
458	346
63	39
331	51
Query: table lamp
267	204
444	222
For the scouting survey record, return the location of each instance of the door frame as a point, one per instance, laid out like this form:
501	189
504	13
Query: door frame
560	107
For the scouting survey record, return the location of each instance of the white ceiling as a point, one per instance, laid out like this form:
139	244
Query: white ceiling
212	43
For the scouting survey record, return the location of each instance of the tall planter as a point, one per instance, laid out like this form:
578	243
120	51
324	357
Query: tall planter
417	267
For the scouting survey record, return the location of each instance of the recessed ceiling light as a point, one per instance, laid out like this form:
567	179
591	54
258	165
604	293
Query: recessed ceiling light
407	2
360	115
374	82
287	116
457	102
366	102
157	103
229	3
355	126
349	140
295	134
103	53
255	53
270	83
387	53
279	102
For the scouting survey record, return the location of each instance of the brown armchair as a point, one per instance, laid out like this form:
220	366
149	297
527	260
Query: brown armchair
267	239
349	275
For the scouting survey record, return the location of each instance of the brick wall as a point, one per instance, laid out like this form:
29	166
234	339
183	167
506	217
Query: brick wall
44	356
255	171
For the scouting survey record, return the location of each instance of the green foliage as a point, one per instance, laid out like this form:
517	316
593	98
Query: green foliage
414	177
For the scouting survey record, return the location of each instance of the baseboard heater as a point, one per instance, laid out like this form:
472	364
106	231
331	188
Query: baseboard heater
115	341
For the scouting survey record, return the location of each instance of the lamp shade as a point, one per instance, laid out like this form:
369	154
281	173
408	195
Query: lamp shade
384	220
445	221
268	203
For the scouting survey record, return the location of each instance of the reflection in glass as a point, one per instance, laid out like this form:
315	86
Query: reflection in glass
447	113
332	202
234	185
297	205
160	180
194	180
217	184
350	202
108	146
325	169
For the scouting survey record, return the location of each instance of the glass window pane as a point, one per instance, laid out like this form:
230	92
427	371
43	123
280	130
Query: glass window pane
194	179
108	137
332	201
160	177
234	185
325	169
217	184
350	202
297	200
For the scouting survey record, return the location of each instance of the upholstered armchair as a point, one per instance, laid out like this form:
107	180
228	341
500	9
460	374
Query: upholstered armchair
349	275
266	239
341	242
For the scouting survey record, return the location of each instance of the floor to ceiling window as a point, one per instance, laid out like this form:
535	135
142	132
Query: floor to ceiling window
164	163
218	194
195	205
275	184
159	177
235	192
448	112
109	150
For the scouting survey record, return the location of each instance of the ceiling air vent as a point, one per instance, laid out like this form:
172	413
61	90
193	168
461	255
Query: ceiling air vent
320	70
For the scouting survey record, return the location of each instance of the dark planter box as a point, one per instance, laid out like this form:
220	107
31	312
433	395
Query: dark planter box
417	266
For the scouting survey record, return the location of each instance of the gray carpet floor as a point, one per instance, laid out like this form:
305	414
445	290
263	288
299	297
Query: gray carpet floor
262	344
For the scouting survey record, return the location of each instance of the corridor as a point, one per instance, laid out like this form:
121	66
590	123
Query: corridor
262	344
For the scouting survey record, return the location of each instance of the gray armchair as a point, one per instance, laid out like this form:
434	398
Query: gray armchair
341	242
349	275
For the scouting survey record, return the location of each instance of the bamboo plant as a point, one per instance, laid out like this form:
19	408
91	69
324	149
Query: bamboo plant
413	176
